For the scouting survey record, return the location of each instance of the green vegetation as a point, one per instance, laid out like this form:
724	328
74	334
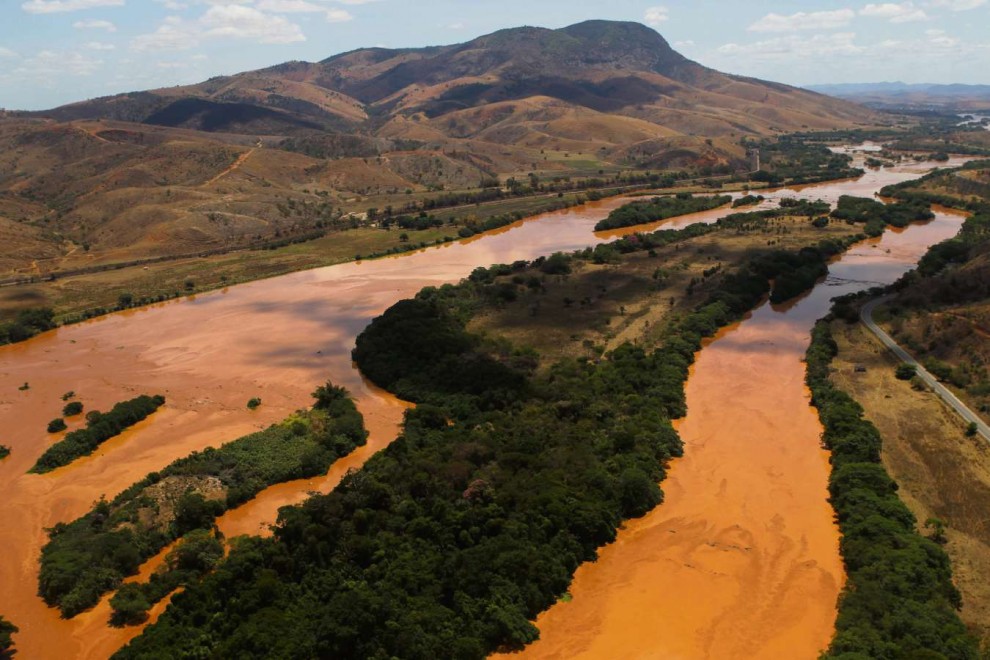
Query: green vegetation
747	200
57	425
29	322
253	403
91	555
100	427
72	408
6	630
198	552
25	387
905	371
659	208
4	452
877	215
965	246
972	429
795	160
505	478
899	600
68	395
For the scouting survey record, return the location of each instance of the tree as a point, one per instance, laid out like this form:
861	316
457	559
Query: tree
130	605
905	371
6	630
937	528
57	425
972	429
199	551
194	511
72	408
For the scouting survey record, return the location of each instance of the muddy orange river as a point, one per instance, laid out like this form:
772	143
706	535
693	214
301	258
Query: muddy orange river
741	559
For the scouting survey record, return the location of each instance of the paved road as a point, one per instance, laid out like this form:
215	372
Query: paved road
866	314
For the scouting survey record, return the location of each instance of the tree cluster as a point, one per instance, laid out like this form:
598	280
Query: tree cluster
91	555
27	324
659	208
899	600
100	427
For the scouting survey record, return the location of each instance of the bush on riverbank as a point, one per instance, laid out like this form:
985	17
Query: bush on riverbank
6	630
100	427
659	208
876	216
899	600
91	555
29	322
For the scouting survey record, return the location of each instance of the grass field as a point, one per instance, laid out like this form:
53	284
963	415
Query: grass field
597	307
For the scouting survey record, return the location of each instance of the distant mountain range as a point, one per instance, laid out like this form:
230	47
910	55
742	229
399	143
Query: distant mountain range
898	94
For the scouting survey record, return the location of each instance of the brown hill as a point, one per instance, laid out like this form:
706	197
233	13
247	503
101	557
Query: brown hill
278	151
622	69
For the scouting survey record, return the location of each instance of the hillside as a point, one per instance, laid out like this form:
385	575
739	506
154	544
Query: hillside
527	78
295	148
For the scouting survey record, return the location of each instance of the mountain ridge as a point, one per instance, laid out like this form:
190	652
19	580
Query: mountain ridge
606	66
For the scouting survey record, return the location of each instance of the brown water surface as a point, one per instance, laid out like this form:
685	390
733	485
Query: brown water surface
280	338
741	560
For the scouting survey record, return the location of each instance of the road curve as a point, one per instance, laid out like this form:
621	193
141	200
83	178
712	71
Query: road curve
866	315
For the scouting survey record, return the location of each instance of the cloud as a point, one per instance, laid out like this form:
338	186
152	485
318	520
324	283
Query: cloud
820	45
49	65
173	34
339	16
58	6
817	20
98	45
173	5
220	21
6	52
654	16
904	12
93	24
333	14
957	5
249	23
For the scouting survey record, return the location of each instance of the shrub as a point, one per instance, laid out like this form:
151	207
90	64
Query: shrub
905	371
72	408
253	403
57	425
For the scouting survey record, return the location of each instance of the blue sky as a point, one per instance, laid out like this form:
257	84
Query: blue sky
58	51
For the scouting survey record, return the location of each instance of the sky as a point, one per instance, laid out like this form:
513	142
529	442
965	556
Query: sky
54	52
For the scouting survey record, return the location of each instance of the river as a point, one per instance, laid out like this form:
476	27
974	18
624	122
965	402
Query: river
278	339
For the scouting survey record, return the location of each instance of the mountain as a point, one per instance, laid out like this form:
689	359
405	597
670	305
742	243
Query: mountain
503	87
210	166
914	95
